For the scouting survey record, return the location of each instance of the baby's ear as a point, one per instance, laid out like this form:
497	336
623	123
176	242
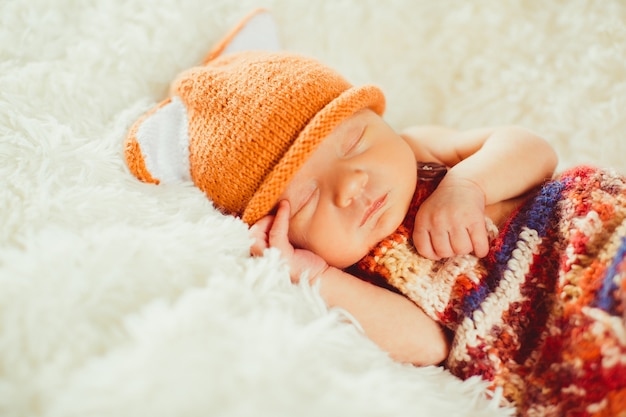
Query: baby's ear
255	32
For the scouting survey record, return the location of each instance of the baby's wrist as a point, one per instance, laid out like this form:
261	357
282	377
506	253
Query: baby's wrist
311	273
314	277
454	180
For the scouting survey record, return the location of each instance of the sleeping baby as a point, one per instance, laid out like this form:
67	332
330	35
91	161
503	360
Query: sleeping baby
459	248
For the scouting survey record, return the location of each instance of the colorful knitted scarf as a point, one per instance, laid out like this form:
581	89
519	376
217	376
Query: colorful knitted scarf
543	316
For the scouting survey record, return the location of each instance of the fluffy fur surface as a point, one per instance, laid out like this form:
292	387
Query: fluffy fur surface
129	299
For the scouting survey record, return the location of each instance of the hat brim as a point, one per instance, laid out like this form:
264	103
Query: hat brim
318	128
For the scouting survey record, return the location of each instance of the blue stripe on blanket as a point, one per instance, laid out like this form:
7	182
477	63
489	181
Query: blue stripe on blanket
537	214
604	297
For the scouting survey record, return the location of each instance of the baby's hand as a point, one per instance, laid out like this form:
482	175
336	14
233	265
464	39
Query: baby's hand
452	221
272	231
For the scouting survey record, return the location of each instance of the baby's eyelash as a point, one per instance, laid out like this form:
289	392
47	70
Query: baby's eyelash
307	197
351	146
353	143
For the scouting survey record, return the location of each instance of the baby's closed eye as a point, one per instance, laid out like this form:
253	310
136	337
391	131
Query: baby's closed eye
303	197
352	142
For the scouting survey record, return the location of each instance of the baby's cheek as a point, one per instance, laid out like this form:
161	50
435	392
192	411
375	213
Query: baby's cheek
296	234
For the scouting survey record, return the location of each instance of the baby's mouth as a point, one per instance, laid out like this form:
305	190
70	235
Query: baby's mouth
373	209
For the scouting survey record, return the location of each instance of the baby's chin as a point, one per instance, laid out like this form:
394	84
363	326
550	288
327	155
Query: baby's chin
363	247
345	259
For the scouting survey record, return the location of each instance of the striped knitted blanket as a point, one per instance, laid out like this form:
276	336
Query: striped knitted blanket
543	316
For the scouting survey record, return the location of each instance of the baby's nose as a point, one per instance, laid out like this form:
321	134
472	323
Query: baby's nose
349	186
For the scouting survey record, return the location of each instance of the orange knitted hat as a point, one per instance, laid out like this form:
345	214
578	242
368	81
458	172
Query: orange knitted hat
241	126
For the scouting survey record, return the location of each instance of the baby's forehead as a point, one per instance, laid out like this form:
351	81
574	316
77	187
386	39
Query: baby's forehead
350	128
348	131
356	121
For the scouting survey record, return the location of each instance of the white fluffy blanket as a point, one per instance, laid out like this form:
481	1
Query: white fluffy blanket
119	298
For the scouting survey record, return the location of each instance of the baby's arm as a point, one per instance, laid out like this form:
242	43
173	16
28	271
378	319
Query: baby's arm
488	166
392	321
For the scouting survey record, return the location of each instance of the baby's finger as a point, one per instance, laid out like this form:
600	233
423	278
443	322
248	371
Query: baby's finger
258	246
480	240
261	227
441	244
461	241
423	245
259	232
278	234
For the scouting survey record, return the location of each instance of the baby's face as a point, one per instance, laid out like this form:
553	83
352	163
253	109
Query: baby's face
353	191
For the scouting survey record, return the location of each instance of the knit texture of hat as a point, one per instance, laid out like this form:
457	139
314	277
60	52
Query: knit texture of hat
252	119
